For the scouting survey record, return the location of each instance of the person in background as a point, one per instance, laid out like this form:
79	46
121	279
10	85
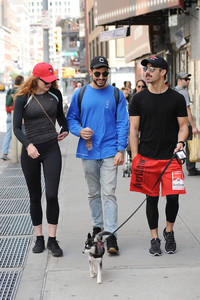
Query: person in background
159	114
106	127
78	86
9	107
40	104
140	85
183	80
126	93
128	86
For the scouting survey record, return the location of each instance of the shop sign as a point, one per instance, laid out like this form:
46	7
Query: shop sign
173	21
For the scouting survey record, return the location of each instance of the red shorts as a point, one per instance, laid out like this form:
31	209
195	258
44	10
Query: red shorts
145	172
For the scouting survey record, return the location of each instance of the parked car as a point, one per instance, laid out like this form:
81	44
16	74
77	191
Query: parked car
2	87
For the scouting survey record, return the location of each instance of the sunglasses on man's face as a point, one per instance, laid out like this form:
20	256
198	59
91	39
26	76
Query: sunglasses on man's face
151	69
186	79
46	83
97	74
141	86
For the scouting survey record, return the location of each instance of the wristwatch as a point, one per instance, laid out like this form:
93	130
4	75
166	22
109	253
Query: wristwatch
181	142
121	151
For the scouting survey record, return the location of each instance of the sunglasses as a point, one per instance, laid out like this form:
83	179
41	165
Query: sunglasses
97	74
151	69
46	83
186	79
141	86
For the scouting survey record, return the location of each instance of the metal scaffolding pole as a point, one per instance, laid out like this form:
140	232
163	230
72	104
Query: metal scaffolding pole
45	31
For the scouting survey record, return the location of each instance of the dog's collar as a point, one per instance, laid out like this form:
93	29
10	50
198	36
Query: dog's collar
99	243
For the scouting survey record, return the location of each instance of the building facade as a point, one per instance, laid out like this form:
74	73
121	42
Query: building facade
169	28
120	70
14	39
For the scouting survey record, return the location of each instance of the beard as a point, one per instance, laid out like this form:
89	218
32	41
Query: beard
99	85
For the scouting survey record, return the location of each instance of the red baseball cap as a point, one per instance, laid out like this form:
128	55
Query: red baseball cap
45	72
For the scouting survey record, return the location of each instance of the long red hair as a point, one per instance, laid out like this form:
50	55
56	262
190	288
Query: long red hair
30	85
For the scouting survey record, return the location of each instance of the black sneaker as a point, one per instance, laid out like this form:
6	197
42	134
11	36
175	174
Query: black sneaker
39	245
155	247
170	245
112	246
95	231
54	248
194	172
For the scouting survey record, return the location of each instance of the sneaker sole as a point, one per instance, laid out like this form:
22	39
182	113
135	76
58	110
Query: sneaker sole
155	254
170	252
54	254
37	252
113	251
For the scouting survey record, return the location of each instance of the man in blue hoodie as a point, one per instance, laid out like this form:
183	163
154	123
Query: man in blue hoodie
103	129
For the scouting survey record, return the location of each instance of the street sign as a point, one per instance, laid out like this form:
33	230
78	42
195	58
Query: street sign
46	19
115	34
69	53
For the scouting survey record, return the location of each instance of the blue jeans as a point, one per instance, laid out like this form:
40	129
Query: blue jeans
102	175
8	136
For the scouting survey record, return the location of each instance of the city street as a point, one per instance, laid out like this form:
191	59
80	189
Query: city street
134	274
142	48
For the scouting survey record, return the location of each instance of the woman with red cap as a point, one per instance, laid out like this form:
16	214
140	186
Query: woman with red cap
39	103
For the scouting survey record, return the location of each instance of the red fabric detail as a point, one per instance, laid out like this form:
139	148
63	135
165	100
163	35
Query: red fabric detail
145	172
9	108
154	57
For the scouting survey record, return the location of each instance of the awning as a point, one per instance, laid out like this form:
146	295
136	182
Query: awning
137	44
138	12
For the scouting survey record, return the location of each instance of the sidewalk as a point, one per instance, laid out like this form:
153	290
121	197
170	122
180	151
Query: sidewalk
134	274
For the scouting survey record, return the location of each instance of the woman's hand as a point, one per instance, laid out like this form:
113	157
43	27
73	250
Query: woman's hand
62	135
32	151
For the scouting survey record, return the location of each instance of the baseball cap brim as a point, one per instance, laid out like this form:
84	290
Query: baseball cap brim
50	78
100	66
144	62
188	75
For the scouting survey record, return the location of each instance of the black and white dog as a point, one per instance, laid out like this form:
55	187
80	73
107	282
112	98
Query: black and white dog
95	249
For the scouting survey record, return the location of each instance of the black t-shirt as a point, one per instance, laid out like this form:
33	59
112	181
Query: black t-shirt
158	121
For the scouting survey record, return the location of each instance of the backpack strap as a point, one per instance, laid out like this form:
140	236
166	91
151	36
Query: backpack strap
80	97
116	92
28	101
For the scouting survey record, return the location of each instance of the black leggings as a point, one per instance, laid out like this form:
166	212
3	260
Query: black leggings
50	158
171	210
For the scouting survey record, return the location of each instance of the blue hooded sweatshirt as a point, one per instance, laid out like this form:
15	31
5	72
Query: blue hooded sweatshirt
98	112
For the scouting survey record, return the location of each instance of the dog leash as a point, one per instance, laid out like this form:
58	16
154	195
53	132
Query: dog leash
179	160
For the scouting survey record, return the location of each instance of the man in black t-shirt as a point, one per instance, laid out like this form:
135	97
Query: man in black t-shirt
159	114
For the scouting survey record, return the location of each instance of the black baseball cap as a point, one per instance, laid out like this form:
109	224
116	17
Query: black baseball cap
98	62
156	61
